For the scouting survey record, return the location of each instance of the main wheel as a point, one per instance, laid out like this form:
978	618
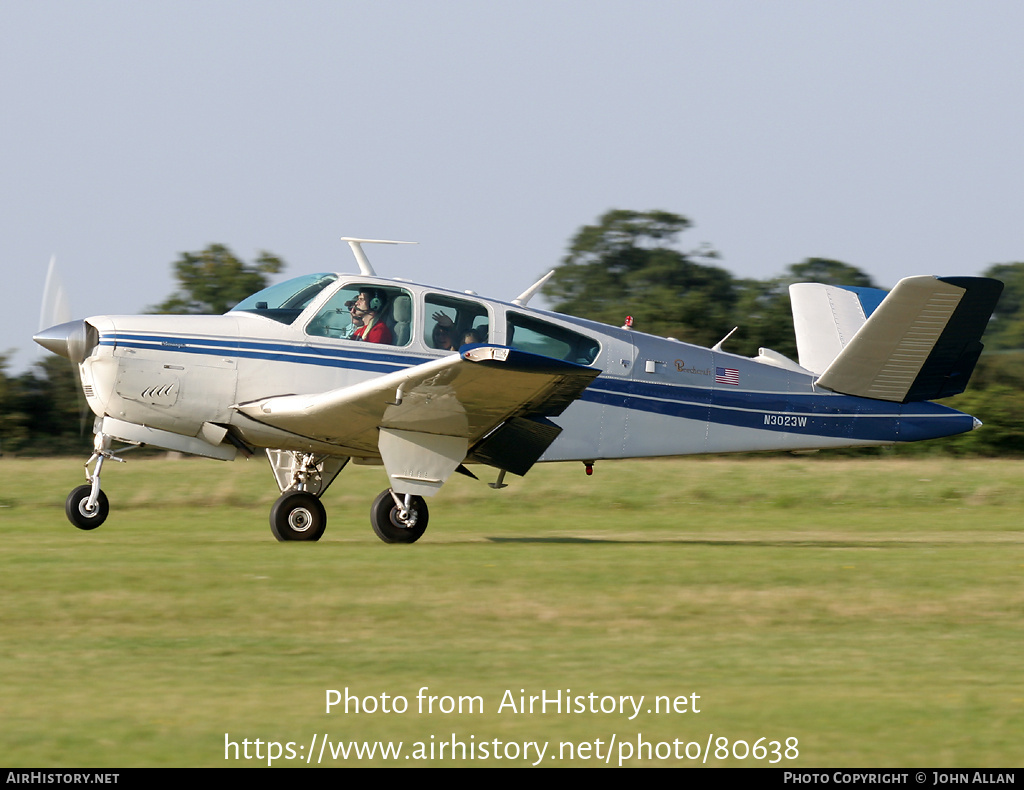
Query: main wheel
390	526
77	510
297	515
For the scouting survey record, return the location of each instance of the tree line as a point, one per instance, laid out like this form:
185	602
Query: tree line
628	263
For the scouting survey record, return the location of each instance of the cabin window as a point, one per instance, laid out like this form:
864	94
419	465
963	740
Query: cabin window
450	322
367	313
540	337
285	301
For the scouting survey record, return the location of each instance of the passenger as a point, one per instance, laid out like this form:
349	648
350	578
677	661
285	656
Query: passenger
368	307
441	337
471	336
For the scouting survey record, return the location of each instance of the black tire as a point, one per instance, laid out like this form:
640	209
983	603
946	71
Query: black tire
297	515
74	507
390	528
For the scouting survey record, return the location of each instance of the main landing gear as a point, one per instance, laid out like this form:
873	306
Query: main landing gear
399	519
298	514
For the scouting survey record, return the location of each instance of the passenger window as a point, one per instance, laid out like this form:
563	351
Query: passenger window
540	337
450	323
367	313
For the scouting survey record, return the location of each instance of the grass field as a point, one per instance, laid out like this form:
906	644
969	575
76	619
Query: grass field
871	610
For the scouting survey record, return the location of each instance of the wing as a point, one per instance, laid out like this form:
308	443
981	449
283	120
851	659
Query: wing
449	405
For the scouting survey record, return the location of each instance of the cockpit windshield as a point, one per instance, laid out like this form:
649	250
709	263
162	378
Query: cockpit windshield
285	301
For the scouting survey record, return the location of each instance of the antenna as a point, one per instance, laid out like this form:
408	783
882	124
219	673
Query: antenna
527	295
361	259
718	346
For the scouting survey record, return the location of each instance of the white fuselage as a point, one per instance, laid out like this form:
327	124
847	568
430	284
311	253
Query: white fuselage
654	397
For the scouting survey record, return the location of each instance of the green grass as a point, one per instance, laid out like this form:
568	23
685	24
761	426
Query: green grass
871	609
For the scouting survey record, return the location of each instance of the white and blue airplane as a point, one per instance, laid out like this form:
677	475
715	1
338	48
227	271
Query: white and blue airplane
327	369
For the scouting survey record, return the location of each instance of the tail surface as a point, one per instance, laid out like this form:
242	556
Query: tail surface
919	342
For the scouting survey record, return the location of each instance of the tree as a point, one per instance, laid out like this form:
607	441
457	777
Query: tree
43	411
1006	328
213	280
764	318
829	272
764	313
625	265
12	429
54	408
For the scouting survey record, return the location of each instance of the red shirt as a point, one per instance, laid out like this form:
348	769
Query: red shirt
379	333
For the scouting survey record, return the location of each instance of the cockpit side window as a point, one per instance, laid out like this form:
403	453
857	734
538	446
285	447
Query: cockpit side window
365	313
539	337
285	301
450	322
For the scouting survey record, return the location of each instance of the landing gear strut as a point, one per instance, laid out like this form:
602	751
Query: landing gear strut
399	519
298	514
87	506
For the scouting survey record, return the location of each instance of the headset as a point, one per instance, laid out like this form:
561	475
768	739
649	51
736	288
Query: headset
375	301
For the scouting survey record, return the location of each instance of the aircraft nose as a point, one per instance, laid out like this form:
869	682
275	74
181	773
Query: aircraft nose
74	340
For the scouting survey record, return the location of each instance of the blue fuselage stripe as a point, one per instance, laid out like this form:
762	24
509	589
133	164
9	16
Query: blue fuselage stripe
360	359
811	413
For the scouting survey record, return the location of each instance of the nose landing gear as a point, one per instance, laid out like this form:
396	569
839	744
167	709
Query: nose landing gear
87	506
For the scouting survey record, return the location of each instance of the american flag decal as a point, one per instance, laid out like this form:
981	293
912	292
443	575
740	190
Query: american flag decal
727	376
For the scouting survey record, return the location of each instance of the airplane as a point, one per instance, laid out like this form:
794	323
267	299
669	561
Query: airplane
329	369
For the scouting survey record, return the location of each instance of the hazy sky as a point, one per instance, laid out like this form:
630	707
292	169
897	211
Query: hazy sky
887	134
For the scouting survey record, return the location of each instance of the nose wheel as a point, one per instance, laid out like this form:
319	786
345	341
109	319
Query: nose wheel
81	513
398	519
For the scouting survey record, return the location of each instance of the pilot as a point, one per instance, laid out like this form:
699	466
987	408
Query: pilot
356	322
368	307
